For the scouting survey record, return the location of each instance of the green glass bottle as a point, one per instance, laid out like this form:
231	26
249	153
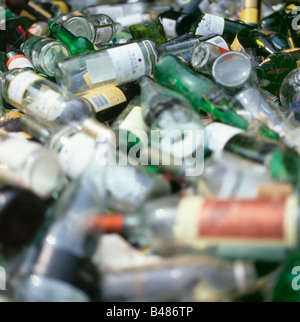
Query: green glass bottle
201	92
153	30
77	45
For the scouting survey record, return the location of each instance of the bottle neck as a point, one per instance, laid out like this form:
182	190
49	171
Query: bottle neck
61	32
180	48
192	7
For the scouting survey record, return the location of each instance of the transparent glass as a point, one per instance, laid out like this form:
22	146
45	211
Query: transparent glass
30	165
233	71
290	91
98	28
117	65
37	96
43	53
204	56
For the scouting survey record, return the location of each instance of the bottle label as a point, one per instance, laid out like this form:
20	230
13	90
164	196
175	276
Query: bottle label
103	34
218	134
129	62
211	24
124	63
18	61
75	154
104	98
50	105
268	222
38	29
152	56
169	27
19	85
220	42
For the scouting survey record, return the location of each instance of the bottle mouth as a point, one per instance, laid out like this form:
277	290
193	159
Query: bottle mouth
232	70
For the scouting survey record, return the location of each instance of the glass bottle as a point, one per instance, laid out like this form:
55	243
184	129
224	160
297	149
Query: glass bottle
280	160
170	113
119	64
116	11
109	101
251	12
126	185
227	28
28	8
98	29
15	60
36	95
213	226
263	109
253	38
62	270
43	52
76	44
177	23
233	71
22	214
181	278
289	93
278	65
153	30
29	165
248	179
201	92
204	56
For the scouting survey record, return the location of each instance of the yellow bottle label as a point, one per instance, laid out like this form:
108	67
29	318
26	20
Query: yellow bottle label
250	15
103	98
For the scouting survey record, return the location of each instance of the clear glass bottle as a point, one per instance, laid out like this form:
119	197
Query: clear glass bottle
204	56
199	90
43	52
214	226
233	71
30	165
127	186
98	29
35	95
116	65
290	93
15	60
169	114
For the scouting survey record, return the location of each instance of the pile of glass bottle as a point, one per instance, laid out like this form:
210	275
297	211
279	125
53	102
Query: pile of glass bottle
149	151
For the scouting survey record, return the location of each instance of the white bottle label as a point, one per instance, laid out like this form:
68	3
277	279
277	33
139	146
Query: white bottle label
18	61
76	153
210	24
219	41
218	134
128	61
18	86
169	27
50	105
103	34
